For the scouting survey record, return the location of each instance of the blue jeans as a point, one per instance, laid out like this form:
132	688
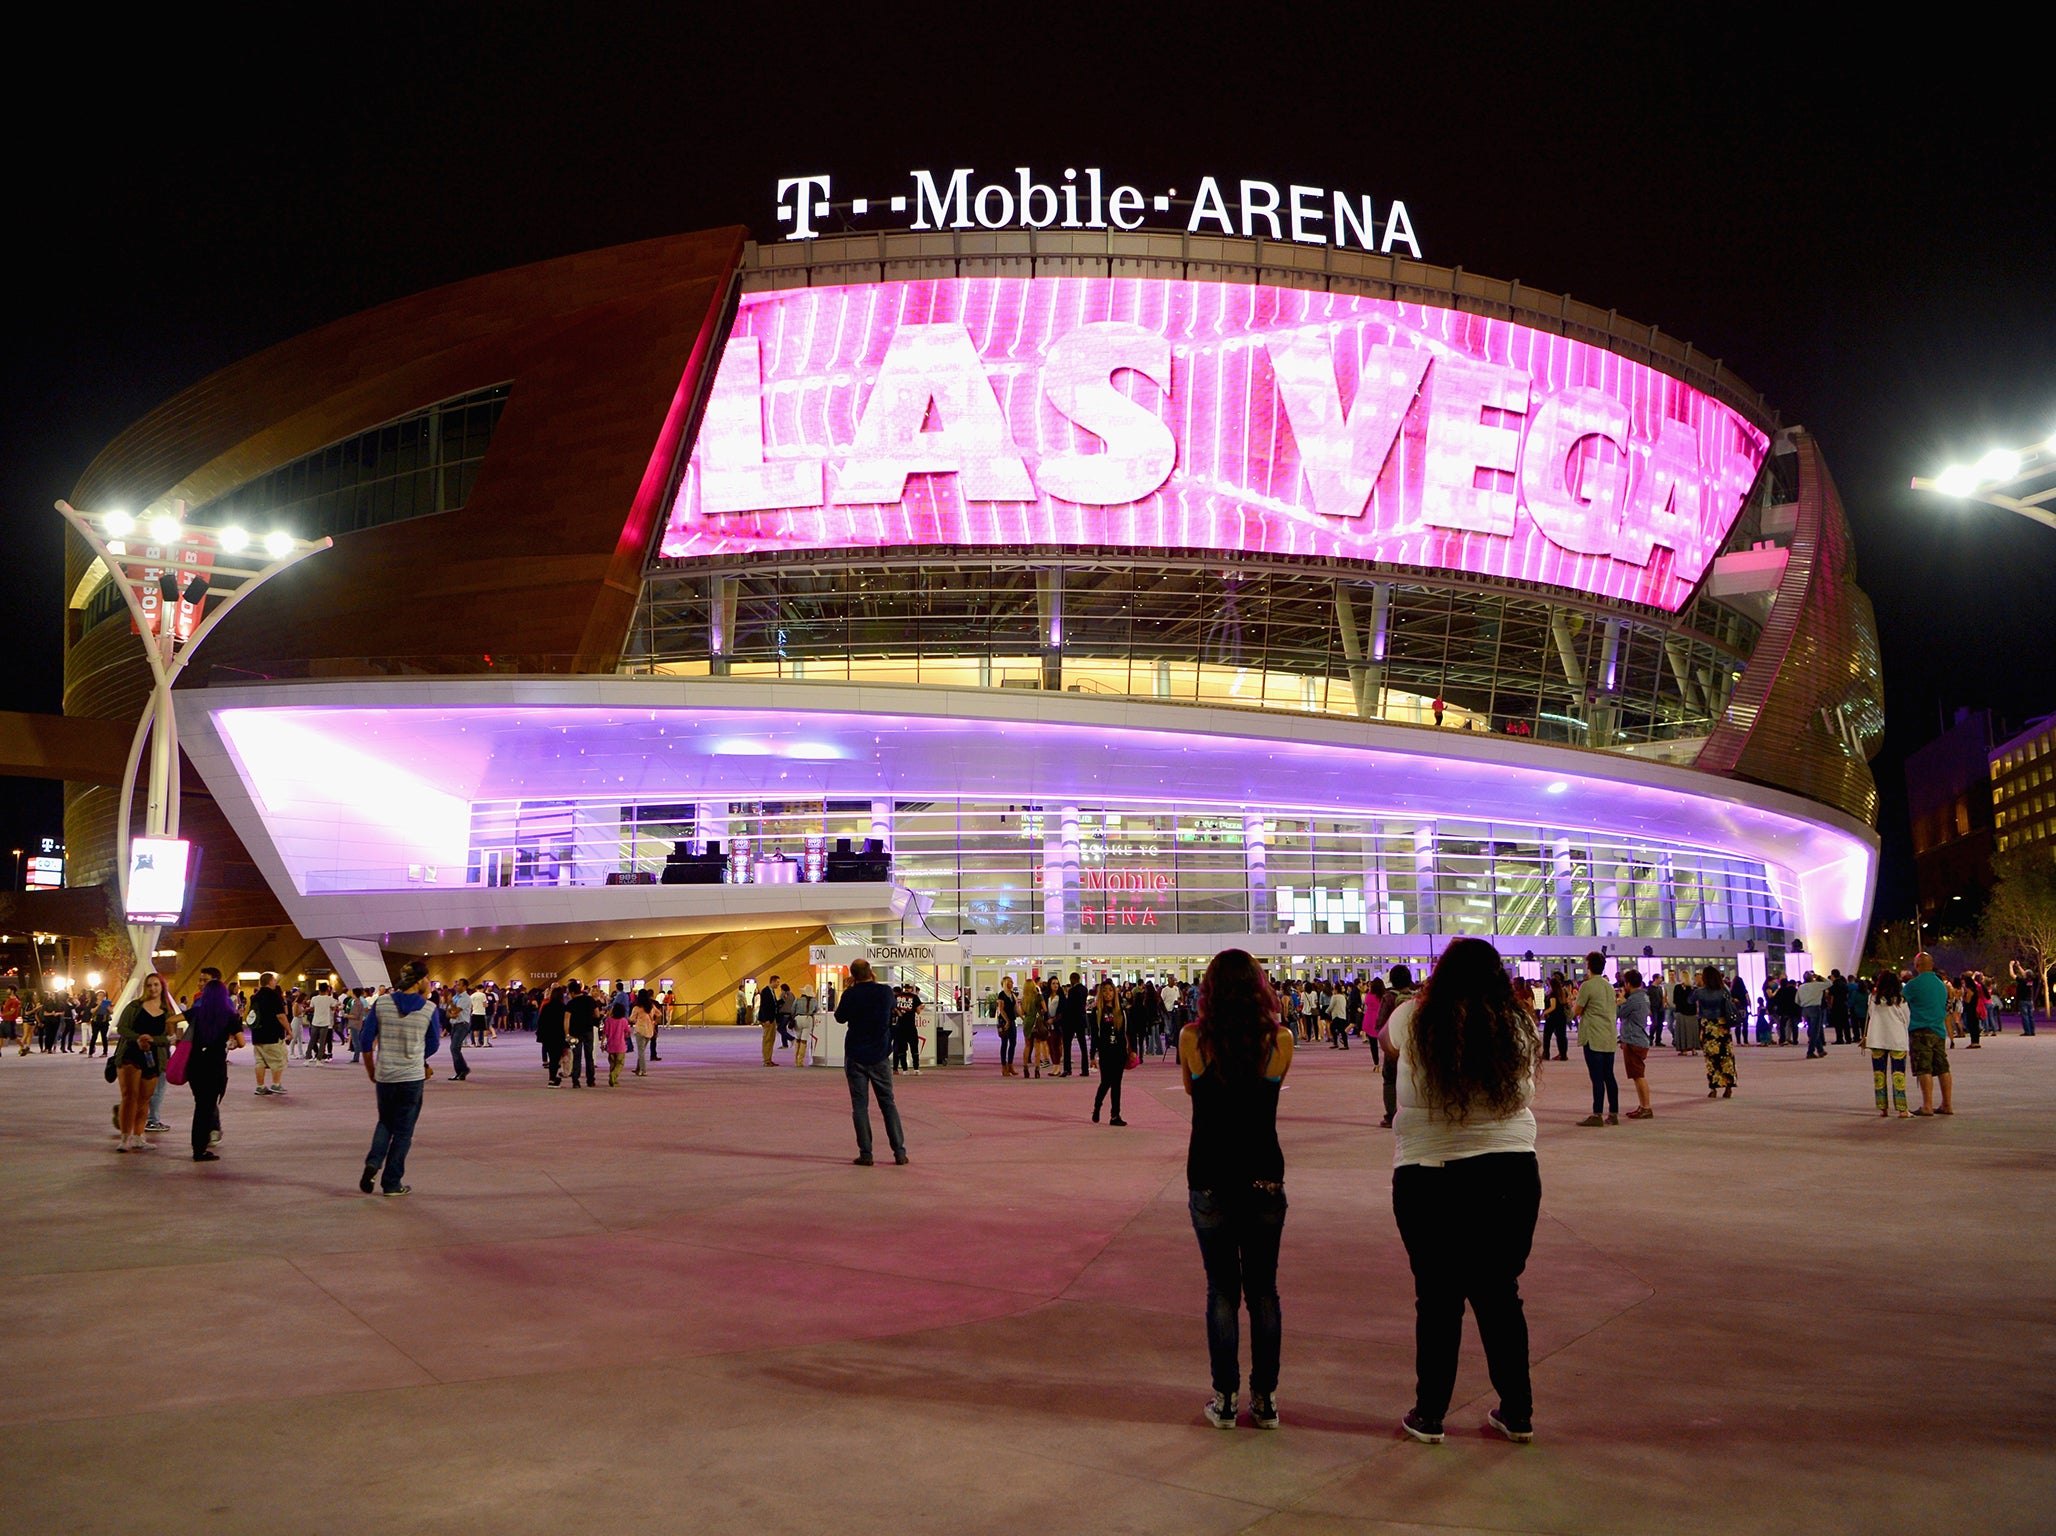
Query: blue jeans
456	1037
399	1106
865	1079
157	1098
1239	1232
1816	1043
2027	1015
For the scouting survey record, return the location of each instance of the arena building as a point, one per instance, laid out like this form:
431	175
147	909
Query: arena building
1117	596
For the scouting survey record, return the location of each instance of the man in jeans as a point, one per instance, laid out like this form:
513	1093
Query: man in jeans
866	1008
397	1040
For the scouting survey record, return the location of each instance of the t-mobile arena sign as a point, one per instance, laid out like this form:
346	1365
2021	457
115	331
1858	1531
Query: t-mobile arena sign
1256	209
1135	412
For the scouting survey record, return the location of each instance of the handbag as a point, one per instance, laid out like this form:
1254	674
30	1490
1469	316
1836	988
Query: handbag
181	1056
1134	1060
112	1069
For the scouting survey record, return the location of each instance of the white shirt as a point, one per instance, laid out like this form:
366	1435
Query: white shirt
1886	1028
1338	1005
322	1011
1421	1135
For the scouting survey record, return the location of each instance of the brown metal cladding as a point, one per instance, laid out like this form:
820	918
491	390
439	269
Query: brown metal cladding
1818	653
605	353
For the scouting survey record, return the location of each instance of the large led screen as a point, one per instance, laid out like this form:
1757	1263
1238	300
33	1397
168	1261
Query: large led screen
1137	412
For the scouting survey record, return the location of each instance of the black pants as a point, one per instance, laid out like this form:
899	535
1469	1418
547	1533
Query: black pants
1113	1066
553	1058
1238	1242
1084	1044
1606	1088
906	1050
1006	1045
582	1051
1468	1227
98	1039
207	1076
1558	1028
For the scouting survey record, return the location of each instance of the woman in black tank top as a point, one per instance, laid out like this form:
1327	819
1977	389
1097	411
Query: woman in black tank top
1234	1057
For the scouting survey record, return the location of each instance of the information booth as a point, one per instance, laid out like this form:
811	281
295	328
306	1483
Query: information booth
947	1035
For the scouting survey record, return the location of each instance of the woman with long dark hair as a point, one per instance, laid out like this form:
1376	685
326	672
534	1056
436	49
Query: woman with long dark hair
1466	1188
1716	1040
1233	1058
1110	1040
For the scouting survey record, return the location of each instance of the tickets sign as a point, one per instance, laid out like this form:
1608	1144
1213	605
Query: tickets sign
1135	412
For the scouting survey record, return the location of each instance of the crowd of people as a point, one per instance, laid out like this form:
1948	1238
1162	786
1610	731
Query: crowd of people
1458	1059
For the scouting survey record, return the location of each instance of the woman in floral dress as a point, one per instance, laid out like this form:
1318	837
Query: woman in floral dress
1714	1037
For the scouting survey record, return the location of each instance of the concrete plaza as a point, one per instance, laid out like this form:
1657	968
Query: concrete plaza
675	1306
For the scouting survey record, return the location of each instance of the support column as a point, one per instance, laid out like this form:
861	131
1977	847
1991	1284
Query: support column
1049	612
1261	915
1666	896
1606	902
1060	874
359	962
1566	888
1426	892
723	592
881	824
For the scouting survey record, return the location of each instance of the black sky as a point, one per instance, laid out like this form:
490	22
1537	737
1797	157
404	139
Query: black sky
1863	226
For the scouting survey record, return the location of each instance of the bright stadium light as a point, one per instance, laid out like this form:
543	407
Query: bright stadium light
171	631
1999	465
2020	480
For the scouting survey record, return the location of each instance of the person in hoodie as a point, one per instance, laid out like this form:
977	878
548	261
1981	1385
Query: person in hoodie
213	1029
402	1033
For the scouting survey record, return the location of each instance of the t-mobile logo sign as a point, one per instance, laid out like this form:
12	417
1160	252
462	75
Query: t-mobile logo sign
1083	200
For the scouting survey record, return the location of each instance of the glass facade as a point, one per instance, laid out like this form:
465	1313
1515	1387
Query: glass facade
1298	636
417	465
1152	869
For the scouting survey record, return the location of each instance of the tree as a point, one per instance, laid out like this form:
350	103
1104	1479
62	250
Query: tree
2020	917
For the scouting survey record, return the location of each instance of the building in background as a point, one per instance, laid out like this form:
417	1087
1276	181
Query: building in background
1123	596
1949	802
2022	785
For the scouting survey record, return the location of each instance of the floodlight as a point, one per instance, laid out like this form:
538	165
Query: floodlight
165	530
232	540
278	544
117	523
1956	480
1999	464
93	979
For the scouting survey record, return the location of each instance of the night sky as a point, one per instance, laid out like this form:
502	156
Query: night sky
1864	229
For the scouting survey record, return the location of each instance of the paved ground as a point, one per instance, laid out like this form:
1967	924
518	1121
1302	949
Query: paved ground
675	1306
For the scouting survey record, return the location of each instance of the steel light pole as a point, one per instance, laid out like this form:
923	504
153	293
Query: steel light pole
179	566
2021	480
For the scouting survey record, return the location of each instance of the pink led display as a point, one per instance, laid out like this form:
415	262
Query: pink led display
1207	416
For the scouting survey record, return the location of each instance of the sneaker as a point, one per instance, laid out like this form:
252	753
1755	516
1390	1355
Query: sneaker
1220	1410
206	1157
1263	1410
1426	1430
262	1093
365	1182
156	1125
1519	1433
1591	1120
214	1138
1117	1120
1613	1119
863	1160
402	1189
900	1159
